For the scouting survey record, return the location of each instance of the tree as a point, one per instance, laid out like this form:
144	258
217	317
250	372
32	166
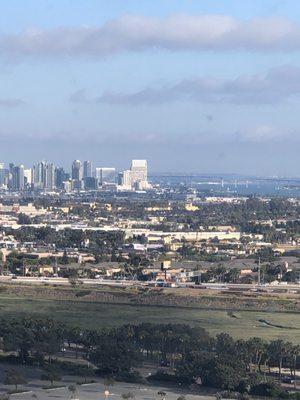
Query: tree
269	389
5	396
24	219
14	377
278	351
224	372
162	394
256	349
65	258
113	356
52	374
73	391
128	396
108	382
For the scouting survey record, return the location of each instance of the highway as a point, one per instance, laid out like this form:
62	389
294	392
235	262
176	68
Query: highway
131	283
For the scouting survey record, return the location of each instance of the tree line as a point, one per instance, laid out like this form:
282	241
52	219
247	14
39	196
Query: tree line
190	353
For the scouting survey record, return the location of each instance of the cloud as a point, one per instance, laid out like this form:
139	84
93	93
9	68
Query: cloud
265	133
209	118
79	97
139	33
277	85
11	103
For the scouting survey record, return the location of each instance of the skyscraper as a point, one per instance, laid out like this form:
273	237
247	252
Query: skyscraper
105	176
126	179
139	172
87	169
28	177
18	178
60	177
44	175
77	170
38	173
49	179
2	174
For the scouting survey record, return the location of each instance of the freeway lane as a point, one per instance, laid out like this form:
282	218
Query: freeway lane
128	283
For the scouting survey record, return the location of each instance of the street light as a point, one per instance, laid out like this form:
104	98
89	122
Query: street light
106	393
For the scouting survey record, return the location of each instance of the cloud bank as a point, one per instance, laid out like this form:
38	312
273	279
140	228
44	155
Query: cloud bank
139	33
277	85
11	103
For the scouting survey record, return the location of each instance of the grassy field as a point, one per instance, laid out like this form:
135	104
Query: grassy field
243	324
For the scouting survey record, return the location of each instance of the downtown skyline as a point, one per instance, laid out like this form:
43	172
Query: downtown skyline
46	176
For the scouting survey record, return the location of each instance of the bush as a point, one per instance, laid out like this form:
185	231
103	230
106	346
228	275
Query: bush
85	382
50	376
46	387
83	293
74	369
163	377
130	377
294	396
9	359
268	389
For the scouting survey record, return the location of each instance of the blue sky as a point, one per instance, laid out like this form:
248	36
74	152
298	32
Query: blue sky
191	85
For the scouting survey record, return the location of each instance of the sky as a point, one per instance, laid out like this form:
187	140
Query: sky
193	86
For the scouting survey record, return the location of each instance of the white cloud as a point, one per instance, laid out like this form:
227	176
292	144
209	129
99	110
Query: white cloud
264	133
137	33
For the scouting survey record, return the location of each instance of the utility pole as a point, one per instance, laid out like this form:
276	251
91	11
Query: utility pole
258	271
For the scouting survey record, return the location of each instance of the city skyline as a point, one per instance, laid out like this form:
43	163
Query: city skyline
109	82
46	176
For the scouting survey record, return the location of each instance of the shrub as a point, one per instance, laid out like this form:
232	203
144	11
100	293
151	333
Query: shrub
269	389
83	293
130	377
163	377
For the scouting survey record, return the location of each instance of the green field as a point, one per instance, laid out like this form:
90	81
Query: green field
96	315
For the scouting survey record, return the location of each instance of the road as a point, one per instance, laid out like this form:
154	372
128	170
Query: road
125	283
96	392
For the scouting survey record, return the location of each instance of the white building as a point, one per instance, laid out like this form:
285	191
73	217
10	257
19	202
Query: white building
139	172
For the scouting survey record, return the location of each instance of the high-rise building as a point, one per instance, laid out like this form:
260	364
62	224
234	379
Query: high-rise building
49	180
139	172
108	176
77	170
4	175
87	169
90	183
18	178
43	175
126	178
60	177
105	176
38	174
28	177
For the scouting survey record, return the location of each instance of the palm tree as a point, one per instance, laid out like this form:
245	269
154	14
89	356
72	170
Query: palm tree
162	394
278	351
73	391
128	396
